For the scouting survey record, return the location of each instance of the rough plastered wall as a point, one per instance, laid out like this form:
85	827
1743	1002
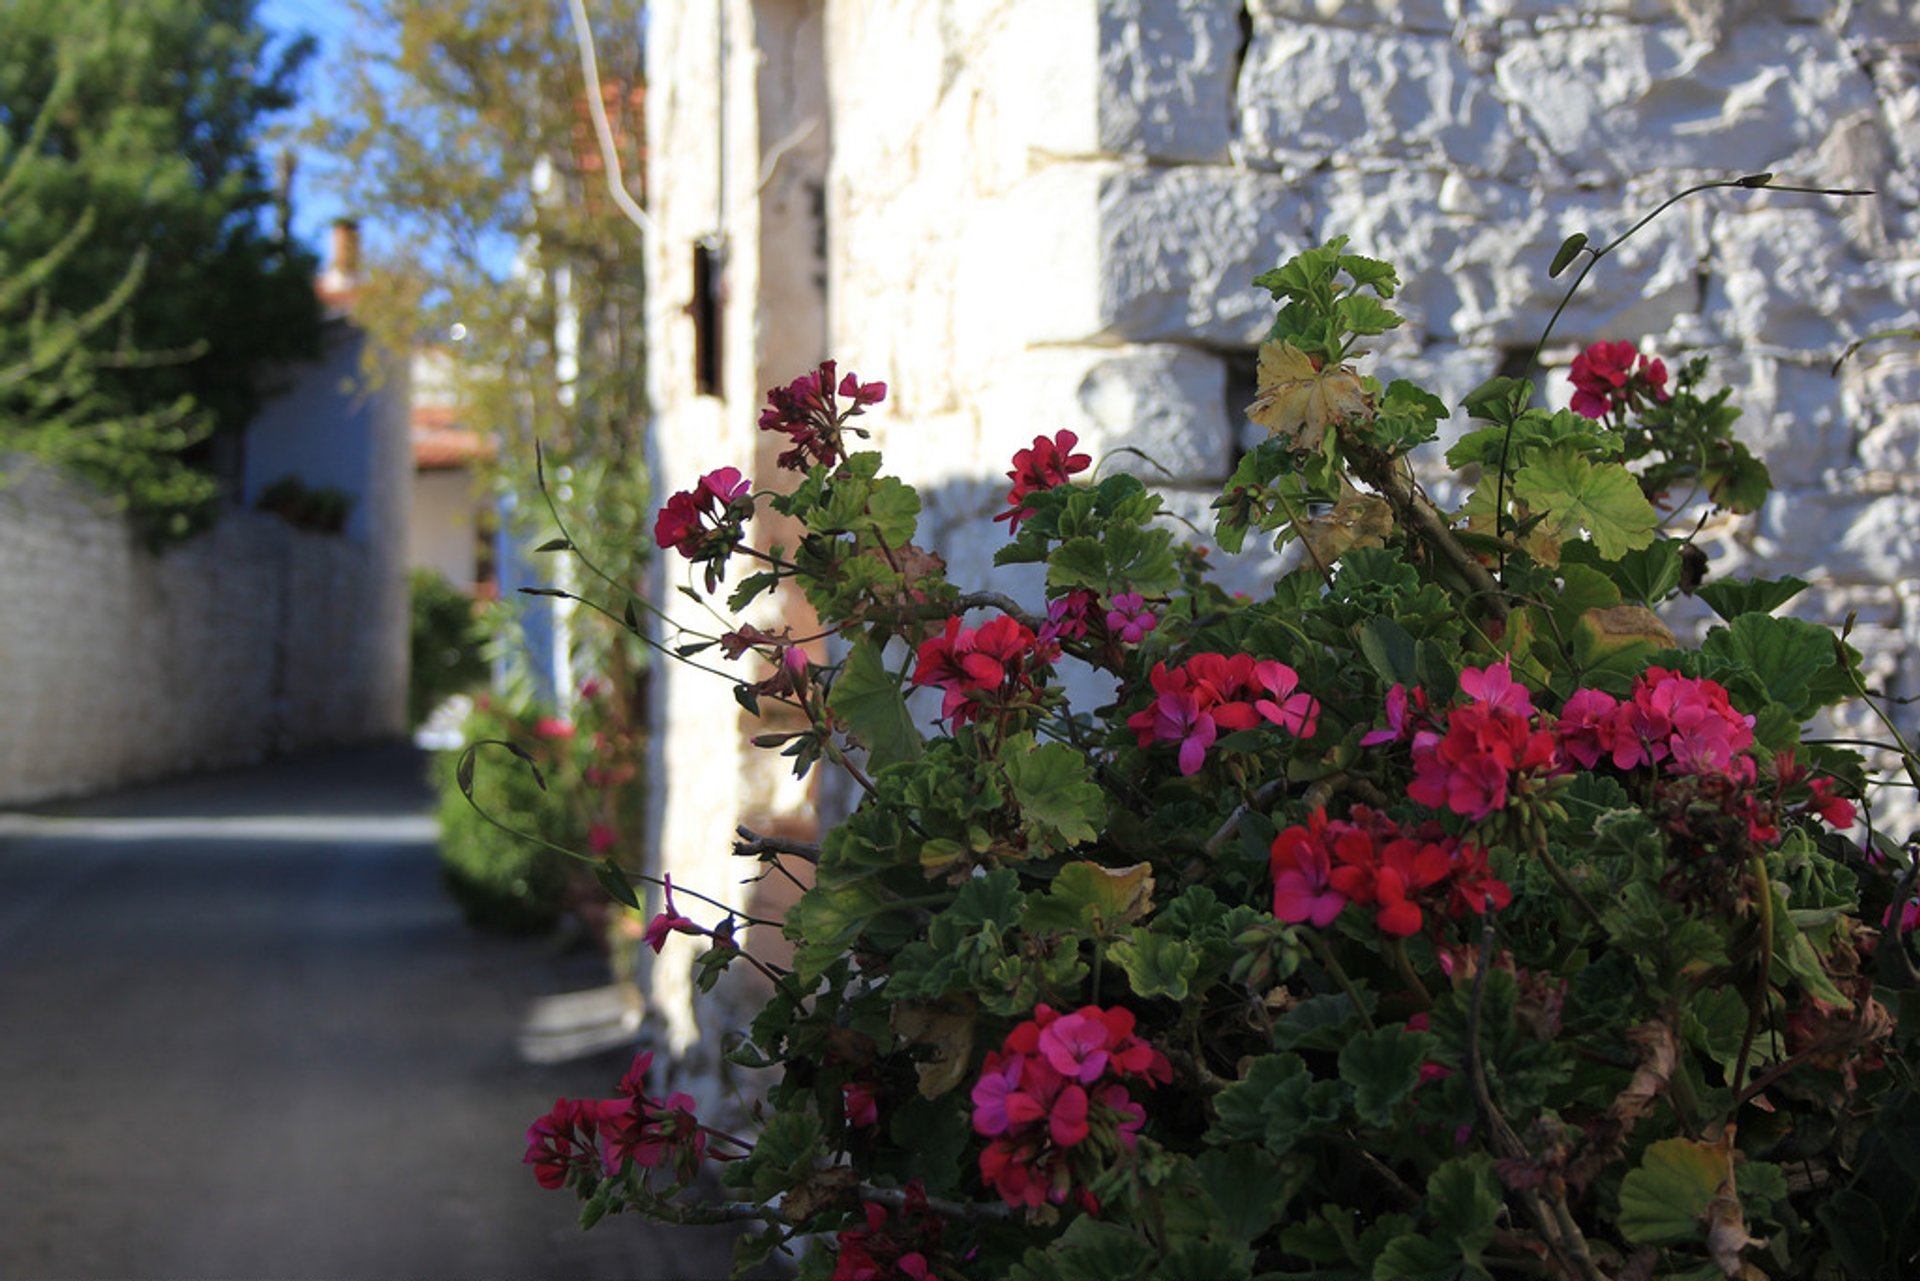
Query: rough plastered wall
702	184
118	665
1046	215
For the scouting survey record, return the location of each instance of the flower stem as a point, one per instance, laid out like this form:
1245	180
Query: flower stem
1333	967
1762	983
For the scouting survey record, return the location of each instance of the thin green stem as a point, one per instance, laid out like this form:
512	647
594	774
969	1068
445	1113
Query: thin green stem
1332	965
1763	980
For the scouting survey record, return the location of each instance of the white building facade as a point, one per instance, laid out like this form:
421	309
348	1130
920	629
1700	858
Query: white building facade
1045	214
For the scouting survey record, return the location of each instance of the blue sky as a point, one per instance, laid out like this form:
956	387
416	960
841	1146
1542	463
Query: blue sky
314	208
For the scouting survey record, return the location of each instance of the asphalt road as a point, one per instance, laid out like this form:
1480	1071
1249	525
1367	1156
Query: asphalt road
244	1034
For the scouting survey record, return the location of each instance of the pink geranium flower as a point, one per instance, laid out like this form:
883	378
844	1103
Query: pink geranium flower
1129	620
1042	465
1302	868
1609	376
668	922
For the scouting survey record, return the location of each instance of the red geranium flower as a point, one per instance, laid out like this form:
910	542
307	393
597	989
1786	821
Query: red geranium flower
1041	465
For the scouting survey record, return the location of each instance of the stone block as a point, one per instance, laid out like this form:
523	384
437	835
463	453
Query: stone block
1783	275
1842	537
1557	12
1405	15
1879	25
1482	279
1165	401
1792	415
1167	78
1890	442
1612	102
1311	95
1179	248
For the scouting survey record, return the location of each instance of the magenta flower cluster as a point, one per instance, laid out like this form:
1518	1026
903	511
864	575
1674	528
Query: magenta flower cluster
1611	376
812	412
1210	692
1054	1095
582	1140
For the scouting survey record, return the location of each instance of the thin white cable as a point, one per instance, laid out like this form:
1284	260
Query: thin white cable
597	108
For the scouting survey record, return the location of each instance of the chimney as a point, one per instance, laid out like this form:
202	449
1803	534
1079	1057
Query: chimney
341	279
344	260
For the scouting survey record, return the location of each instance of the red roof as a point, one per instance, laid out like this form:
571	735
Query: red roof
440	448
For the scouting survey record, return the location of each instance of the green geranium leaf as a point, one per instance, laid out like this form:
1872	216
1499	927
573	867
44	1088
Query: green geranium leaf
1088	1250
1089	897
1248	1188
867	700
1498	400
826	922
616	884
1730	599
1359	314
1737	481
1574	494
1417	1256
1078	562
931	1136
1157	965
1317	1023
750	589
1204	1261
1581	588
783	1155
1053	785
1383	1067
1389	650
1277	1103
894	507
1784	655
1664	1201
1648	575
1464	1200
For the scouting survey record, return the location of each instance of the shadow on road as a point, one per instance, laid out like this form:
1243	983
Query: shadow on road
245	1034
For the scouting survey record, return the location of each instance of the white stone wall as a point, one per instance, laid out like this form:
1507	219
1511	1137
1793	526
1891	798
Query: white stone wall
1046	213
1018	250
117	665
703	185
443	532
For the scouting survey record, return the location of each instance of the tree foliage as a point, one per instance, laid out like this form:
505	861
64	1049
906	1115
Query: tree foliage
144	293
463	137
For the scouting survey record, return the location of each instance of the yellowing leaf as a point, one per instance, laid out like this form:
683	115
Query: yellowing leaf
1357	520
1573	494
1666	1200
1299	402
1621	627
947	1029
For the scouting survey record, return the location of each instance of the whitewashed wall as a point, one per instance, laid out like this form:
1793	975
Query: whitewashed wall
1046	214
703	182
117	665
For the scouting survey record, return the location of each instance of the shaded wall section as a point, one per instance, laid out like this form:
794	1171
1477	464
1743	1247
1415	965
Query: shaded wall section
119	665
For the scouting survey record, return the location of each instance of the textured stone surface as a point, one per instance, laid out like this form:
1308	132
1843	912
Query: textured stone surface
1781	276
1016	186
1614	102
1312	95
1166	402
1179	249
122	666
1167	78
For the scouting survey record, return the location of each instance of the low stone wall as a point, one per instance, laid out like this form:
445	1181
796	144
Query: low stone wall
119	665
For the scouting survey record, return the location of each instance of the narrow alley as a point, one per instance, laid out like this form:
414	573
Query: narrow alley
244	1033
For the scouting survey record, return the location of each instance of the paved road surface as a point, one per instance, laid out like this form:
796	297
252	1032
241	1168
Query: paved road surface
243	1034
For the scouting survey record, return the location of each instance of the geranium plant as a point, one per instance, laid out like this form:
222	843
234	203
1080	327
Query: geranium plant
1436	914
